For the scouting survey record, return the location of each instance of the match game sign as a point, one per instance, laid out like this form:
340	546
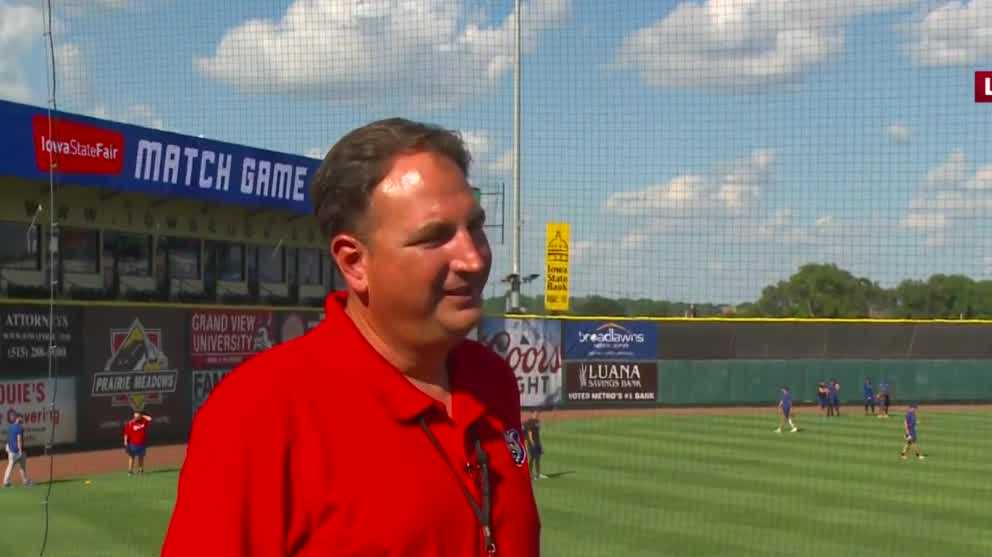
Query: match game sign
556	266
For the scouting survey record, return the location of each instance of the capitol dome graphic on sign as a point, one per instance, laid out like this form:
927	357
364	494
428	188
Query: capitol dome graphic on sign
557	249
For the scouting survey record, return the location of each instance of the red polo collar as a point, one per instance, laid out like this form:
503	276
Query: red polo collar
401	399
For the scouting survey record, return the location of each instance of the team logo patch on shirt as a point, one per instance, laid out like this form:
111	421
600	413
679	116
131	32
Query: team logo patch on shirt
517	451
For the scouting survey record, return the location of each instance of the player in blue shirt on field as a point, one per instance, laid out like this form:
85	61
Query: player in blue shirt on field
16	456
910	431
869	393
785	411
821	397
833	398
884	398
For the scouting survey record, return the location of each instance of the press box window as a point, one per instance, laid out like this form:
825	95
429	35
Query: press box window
310	266
271	264
230	261
21	246
80	250
132	253
184	258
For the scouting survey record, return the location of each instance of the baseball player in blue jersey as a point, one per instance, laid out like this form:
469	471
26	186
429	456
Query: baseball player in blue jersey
785	411
833	398
869	393
884	398
910	431
821	397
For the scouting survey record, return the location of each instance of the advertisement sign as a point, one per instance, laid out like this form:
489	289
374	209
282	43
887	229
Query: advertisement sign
133	361
294	324
122	157
33	399
225	338
204	383
532	348
614	383
556	255
24	339
611	340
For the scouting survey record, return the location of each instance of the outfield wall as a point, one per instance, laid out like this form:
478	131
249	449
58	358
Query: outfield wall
111	358
637	363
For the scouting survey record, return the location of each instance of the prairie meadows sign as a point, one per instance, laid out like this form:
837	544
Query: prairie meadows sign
137	371
135	361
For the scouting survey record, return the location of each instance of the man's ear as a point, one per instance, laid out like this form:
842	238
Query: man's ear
351	256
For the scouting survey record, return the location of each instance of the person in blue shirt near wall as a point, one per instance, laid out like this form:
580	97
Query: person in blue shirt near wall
869	392
884	398
785	411
910	431
15	452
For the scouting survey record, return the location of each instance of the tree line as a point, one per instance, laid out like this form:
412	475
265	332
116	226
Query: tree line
815	290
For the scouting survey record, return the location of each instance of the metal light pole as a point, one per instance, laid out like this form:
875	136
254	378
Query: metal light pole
515	273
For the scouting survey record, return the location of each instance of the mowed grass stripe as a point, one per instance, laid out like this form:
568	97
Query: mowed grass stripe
961	443
640	530
791	450
930	427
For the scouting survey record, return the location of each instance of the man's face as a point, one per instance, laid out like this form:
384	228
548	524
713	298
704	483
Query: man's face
427	258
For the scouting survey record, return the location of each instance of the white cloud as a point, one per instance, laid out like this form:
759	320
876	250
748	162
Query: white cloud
731	189
741	43
898	132
20	27
486	161
954	33
429	50
71	71
136	114
477	142
502	166
950	201
948	174
924	221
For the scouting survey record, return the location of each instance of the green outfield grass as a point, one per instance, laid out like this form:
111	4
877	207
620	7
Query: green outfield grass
729	485
112	516
664	485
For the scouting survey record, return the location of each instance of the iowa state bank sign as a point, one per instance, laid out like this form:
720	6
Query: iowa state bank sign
628	340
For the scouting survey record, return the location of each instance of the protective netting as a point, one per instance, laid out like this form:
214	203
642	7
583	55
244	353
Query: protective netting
701	151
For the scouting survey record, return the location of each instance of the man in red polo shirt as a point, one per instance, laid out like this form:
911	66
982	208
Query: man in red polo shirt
439	466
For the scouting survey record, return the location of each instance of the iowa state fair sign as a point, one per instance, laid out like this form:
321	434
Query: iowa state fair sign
104	154
628	340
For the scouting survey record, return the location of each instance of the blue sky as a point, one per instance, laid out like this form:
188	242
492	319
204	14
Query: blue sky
700	150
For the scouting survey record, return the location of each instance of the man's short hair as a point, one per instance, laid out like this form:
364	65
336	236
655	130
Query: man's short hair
343	185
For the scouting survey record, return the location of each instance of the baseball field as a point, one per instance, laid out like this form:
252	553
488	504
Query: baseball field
662	483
